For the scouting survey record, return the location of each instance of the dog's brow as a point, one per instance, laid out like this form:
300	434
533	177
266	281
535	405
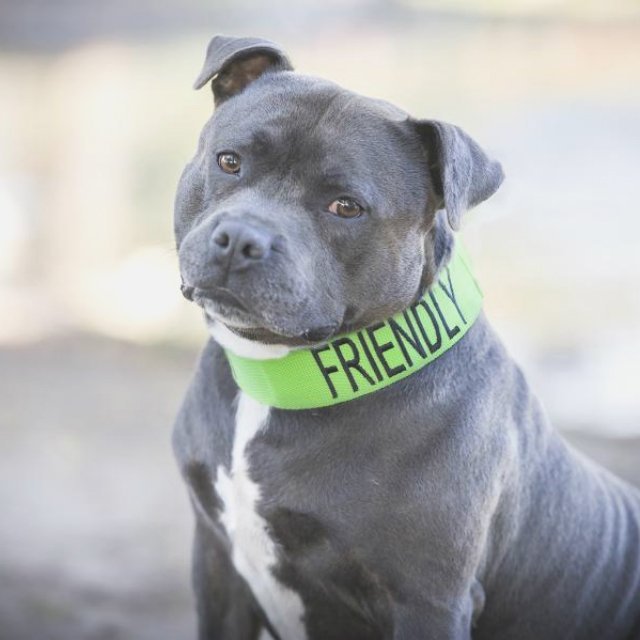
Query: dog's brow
262	139
335	177
326	111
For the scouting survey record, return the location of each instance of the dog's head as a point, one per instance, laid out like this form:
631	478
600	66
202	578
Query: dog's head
309	210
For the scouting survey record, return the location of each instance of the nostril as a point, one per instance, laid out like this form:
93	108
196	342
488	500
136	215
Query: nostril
222	239
252	251
238	245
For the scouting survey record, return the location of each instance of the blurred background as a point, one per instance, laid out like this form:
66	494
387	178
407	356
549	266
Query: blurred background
97	119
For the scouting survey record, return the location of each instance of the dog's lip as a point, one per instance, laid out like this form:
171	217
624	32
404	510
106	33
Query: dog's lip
218	301
219	294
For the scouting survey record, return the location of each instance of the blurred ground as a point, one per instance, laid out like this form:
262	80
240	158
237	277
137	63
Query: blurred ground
95	525
95	530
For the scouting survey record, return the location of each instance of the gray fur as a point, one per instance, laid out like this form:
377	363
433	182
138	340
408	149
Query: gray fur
443	506
465	176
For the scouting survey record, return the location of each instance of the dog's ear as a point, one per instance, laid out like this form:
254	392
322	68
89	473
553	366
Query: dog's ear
232	63
461	172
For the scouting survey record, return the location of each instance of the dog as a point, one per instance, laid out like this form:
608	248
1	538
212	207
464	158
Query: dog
364	459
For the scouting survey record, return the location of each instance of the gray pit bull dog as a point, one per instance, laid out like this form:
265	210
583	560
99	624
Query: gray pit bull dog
440	506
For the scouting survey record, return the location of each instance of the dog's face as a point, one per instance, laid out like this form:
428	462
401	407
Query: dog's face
309	210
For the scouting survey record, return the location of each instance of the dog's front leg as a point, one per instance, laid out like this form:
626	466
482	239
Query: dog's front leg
430	624
225	606
429	620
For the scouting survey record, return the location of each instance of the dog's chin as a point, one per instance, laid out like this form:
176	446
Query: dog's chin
227	310
228	314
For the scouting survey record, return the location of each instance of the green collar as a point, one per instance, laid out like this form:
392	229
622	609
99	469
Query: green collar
361	362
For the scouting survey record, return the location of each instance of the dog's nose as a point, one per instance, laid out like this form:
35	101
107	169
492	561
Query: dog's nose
240	245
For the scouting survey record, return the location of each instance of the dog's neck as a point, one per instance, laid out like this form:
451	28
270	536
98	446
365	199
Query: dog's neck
438	247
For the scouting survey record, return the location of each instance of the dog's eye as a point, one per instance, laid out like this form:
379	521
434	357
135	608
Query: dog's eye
345	208
229	162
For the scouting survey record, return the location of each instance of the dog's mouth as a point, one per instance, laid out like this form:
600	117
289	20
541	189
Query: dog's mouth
220	304
307	337
219	296
223	305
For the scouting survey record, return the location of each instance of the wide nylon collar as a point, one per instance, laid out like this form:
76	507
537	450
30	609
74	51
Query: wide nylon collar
358	363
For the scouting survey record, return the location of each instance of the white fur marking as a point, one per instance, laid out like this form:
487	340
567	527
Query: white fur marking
242	346
253	551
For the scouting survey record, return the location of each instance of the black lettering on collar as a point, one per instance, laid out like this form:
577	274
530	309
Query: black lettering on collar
370	358
451	294
450	332
402	336
381	348
325	371
351	363
437	342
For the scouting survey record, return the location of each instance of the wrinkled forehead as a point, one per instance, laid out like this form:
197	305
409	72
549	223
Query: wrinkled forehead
308	119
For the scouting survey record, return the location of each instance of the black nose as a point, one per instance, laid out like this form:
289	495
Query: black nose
240	245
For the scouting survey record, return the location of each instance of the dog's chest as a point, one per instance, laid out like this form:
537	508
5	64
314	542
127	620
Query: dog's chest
253	550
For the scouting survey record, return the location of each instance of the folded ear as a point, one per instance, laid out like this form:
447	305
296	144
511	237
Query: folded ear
461	172
233	63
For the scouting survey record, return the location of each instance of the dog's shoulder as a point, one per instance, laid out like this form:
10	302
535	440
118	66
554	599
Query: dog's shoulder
203	429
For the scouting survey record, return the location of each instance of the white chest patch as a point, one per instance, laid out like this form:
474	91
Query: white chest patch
253	551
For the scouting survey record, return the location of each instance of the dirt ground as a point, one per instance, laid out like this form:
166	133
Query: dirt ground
95	526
